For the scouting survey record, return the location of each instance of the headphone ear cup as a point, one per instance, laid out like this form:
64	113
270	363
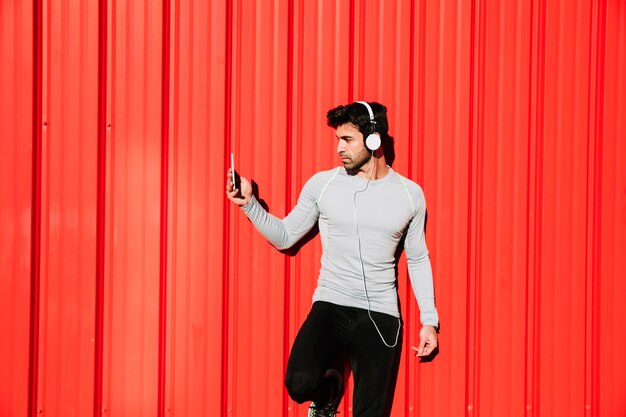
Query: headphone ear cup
373	142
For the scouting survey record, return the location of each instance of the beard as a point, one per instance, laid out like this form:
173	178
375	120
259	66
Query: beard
357	162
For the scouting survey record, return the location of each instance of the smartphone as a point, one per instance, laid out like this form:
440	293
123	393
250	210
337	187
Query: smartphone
232	168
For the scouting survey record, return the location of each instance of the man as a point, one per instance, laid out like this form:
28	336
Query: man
365	211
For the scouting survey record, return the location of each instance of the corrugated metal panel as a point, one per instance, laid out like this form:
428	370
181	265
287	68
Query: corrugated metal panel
133	216
153	295
68	203
198	257
259	280
605	261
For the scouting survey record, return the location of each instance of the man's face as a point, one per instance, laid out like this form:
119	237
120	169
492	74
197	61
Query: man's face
351	147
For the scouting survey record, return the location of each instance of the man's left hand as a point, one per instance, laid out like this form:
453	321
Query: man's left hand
428	341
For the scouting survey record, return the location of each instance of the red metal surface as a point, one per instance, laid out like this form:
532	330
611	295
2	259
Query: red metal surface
35	215
102	130
16	204
146	293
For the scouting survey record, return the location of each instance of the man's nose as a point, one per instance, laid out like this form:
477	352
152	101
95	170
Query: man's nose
340	146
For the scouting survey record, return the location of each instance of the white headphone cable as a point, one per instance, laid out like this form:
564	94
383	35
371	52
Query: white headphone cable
358	238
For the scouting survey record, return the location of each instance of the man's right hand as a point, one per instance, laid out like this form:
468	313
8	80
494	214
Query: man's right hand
240	196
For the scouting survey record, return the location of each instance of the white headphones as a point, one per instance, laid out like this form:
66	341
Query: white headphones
373	139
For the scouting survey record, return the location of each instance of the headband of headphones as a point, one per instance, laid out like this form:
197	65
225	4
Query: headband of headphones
373	139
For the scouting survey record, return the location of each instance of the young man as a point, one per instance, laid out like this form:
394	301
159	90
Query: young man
364	210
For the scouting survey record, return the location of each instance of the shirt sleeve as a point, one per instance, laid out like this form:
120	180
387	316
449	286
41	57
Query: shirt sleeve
420	271
284	233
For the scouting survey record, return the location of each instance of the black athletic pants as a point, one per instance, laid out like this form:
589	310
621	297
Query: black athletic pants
329	335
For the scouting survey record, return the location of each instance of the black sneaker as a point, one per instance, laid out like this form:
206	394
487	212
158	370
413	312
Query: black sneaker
330	409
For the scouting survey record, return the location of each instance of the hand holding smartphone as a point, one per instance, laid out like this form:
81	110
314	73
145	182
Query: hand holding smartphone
234	185
232	169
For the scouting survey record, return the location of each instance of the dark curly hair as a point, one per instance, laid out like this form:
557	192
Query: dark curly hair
356	114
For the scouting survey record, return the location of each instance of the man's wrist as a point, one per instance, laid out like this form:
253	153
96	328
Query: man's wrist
246	207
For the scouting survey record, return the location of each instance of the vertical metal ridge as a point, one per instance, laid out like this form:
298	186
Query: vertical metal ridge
228	114
35	246
207	242
175	124
360	64
165	129
589	264
109	257
534	333
295	286
411	140
421	89
538	257
420	138
13	271
475	216
589	233
83	208
480	182
351	50
288	194
594	179
14	264
188	208
479	167
470	193
529	223
145	12
100	205
411	97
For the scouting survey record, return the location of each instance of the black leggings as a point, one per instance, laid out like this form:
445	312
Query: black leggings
329	335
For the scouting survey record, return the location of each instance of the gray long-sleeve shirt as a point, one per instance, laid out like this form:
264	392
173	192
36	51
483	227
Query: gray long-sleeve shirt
361	223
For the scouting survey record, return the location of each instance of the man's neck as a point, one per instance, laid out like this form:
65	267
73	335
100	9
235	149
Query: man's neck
375	169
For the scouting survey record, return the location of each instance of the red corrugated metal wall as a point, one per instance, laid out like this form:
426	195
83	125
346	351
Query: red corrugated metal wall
130	287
